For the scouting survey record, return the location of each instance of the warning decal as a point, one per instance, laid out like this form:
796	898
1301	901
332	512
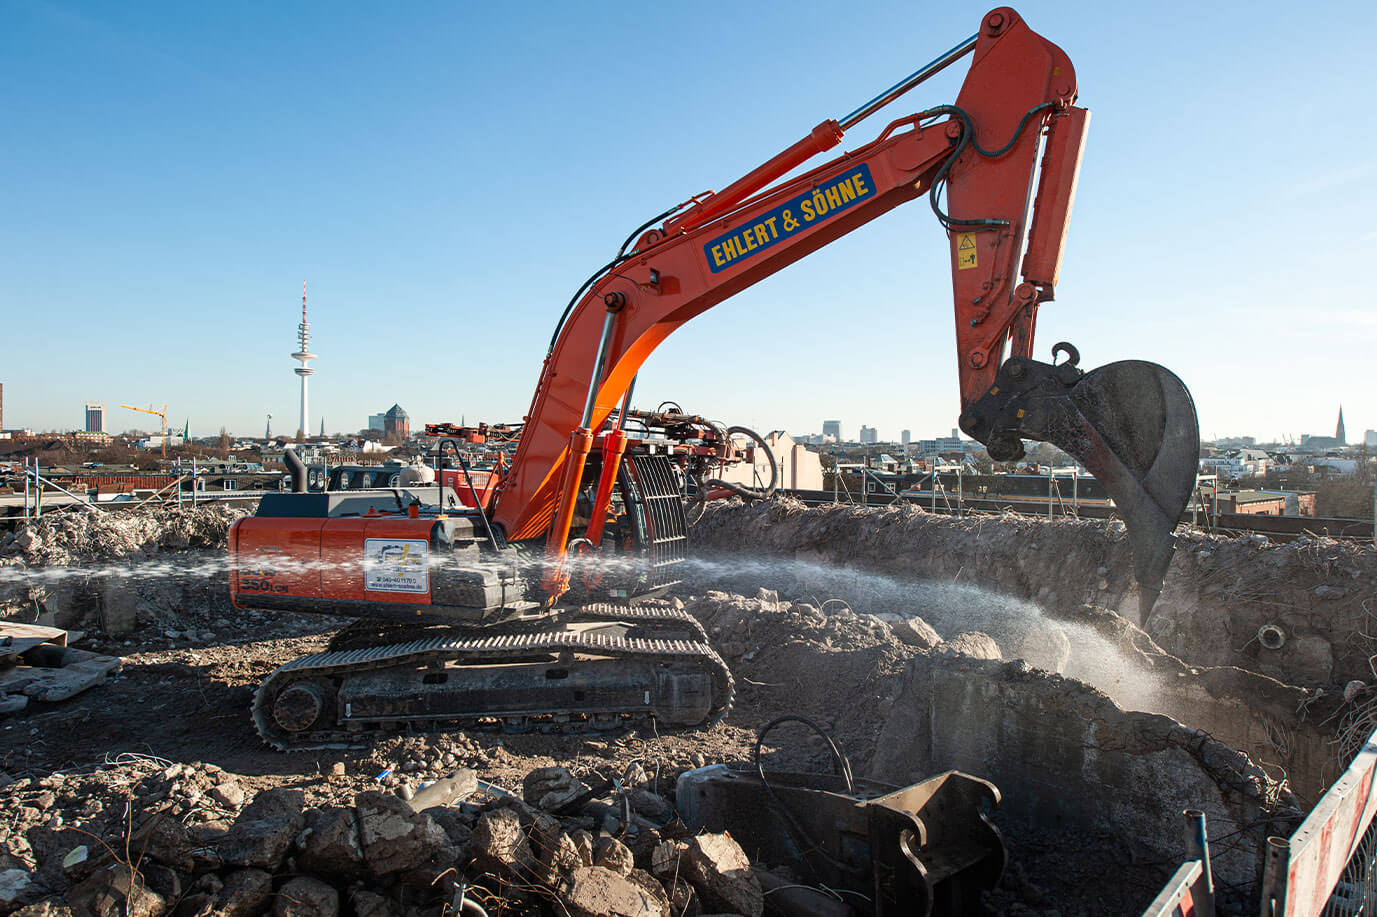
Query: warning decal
396	565
965	250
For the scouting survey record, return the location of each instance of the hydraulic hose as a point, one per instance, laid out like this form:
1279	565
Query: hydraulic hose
741	490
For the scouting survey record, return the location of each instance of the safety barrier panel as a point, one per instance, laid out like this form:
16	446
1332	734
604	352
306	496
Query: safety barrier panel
1328	867
1190	892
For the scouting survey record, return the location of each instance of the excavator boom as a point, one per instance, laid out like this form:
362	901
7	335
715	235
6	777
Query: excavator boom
999	168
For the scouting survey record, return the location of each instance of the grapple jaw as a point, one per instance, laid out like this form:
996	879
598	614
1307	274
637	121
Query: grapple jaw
1132	424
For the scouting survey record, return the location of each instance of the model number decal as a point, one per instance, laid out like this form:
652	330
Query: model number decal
261	585
260	580
791	217
396	565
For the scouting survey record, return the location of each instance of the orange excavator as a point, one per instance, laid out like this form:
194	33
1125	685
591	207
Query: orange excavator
507	596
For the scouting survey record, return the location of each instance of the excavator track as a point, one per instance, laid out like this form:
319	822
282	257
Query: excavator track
564	680
366	633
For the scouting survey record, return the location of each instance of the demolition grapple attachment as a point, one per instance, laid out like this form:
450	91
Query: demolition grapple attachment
1132	424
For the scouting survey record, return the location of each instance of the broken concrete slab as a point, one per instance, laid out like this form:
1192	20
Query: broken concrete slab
306	896
394	837
40	665
721	871
264	831
553	789
499	844
592	891
245	893
331	843
115	891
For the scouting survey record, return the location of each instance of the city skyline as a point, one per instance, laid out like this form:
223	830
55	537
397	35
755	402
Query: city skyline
379	422
163	223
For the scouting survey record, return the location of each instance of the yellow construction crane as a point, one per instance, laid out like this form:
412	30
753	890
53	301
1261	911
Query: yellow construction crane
161	415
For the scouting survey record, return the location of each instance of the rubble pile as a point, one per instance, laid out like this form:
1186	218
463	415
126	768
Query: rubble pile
112	571
828	613
81	538
146	837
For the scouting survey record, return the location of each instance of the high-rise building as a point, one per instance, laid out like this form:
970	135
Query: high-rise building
1339	430
832	428
95	417
906	437
1370	438
869	434
303	355
377	421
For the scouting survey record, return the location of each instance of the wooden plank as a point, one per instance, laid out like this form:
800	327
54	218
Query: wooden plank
31	631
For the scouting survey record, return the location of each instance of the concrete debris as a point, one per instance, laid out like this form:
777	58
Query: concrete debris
263	833
229	794
721	871
975	644
330	844
13	884
500	844
913	631
552	788
245	893
76	538
458	786
652	805
115	891
34	666
592	891
820	616
1218	587
395	838
306	896
614	855
372	904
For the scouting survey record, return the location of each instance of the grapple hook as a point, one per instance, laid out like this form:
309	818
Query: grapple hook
1073	356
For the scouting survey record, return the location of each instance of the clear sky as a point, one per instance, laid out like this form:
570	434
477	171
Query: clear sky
444	175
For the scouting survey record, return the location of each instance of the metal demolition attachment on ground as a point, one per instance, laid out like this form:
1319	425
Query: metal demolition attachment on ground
925	849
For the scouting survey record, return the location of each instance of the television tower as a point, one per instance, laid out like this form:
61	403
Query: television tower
304	355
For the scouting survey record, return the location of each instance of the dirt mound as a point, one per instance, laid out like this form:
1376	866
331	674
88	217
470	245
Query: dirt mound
80	538
1220	592
839	669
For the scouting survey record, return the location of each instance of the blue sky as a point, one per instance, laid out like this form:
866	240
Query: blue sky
444	175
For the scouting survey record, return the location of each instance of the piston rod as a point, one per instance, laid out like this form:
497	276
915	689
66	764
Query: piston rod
922	74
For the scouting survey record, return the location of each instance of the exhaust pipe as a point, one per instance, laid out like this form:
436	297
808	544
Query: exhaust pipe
297	468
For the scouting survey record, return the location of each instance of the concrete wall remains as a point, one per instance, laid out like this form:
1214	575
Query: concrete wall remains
1071	765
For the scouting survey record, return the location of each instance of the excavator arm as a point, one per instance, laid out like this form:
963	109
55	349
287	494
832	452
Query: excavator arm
999	169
